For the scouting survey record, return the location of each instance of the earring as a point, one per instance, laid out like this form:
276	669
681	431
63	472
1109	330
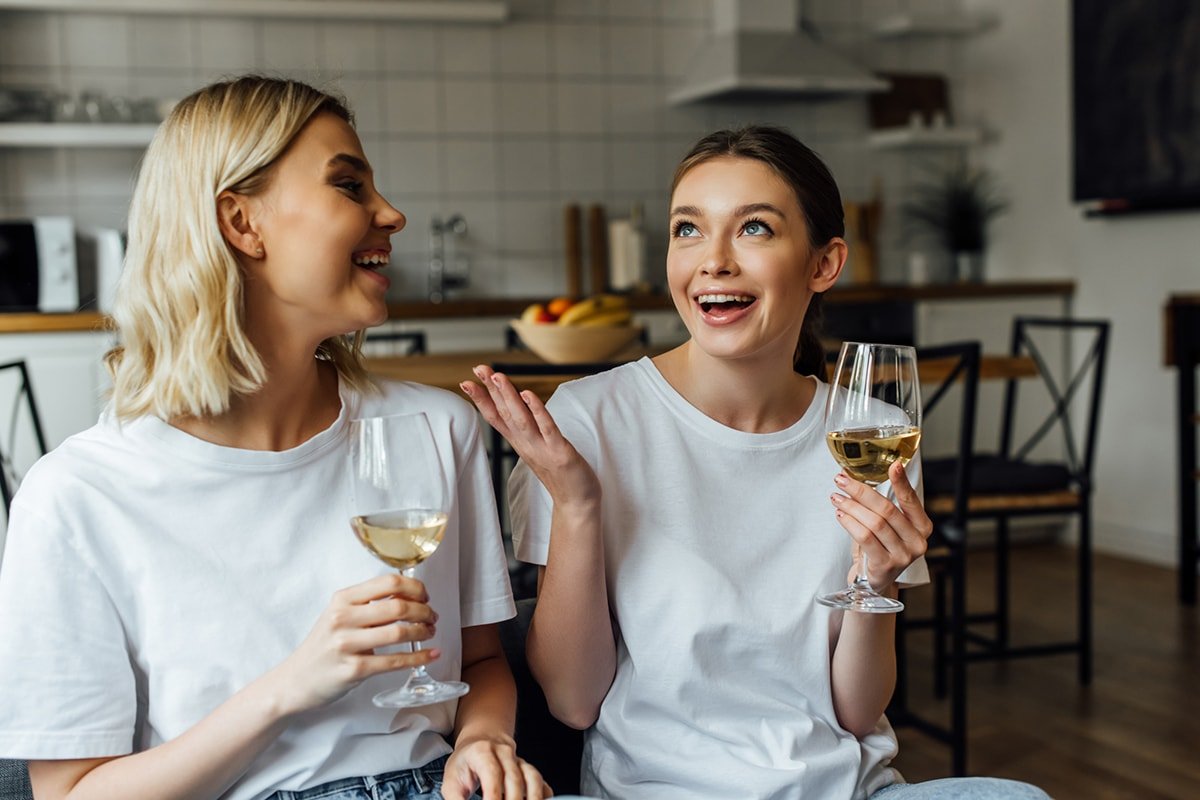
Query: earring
259	252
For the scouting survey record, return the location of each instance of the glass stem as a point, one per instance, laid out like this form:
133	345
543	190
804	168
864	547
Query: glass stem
861	581
418	672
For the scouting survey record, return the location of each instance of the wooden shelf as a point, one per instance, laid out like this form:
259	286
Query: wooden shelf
899	26
462	11
909	138
70	134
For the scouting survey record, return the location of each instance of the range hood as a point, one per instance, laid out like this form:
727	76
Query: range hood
757	48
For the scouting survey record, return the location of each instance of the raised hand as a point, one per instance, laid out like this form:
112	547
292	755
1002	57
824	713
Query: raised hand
523	420
893	536
338	652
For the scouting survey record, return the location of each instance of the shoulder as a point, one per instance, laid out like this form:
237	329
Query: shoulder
443	408
591	393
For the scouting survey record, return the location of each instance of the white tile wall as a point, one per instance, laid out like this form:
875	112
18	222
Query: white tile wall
504	124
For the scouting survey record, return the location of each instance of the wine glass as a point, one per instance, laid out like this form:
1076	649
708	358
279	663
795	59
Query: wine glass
399	512
872	420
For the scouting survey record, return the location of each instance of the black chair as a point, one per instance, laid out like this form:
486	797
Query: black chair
23	398
958	365
554	748
1011	484
395	343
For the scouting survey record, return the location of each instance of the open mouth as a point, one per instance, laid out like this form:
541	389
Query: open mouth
371	259
724	302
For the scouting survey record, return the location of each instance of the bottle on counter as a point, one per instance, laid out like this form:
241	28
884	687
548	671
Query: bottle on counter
627	251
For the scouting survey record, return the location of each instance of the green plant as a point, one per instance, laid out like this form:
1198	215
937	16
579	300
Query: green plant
956	204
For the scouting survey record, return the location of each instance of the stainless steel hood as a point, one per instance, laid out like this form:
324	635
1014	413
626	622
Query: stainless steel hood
757	48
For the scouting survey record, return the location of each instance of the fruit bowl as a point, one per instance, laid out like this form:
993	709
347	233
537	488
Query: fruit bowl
566	344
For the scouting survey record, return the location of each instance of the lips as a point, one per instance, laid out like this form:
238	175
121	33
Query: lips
722	308
372	259
373	263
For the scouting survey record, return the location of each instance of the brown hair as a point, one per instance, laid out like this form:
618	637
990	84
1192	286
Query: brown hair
816	191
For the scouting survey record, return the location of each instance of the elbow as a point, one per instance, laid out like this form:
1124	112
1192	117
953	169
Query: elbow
860	727
579	716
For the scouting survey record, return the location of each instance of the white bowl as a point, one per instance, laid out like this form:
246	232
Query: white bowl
566	344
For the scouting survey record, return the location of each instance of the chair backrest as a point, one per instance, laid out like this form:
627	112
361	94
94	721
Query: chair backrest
958	365
1062	385
395	343
551	746
23	408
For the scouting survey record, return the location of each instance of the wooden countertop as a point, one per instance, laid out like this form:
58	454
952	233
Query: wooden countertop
447	370
506	307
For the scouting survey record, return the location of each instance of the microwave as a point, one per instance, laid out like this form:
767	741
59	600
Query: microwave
38	265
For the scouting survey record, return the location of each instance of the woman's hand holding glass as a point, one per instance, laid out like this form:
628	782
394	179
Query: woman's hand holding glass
338	653
893	535
873	427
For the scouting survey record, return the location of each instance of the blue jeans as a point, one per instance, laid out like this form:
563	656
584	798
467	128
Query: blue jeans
422	783
961	789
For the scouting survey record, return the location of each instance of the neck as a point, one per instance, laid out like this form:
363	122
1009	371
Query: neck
299	400
758	394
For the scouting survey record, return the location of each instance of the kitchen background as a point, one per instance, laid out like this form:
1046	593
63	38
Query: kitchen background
566	102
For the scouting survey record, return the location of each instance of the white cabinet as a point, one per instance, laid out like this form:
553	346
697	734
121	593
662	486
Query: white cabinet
69	381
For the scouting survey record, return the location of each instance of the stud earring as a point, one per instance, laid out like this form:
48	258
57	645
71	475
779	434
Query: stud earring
259	252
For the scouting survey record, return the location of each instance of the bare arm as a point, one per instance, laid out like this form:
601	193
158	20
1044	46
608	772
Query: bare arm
864	658
209	757
485	755
571	646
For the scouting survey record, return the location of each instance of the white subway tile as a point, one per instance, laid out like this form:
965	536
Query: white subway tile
580	107
582	168
95	40
524	107
411	105
351	47
470	106
163	42
414	167
289	46
526	166
472	167
30	39
523	48
227	46
466	50
577	49
409	48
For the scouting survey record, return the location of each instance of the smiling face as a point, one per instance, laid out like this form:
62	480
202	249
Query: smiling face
324	230
740	266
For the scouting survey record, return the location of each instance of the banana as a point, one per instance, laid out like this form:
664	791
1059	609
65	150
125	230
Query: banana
597	304
621	316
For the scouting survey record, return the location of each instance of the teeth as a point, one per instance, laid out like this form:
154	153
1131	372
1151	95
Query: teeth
724	298
371	260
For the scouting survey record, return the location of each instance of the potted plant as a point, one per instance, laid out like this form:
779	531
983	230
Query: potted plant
955	205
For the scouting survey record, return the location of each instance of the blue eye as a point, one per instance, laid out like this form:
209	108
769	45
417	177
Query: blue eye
684	229
756	227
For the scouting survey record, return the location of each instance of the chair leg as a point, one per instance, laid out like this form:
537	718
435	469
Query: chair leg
939	634
1002	585
958	659
1085	593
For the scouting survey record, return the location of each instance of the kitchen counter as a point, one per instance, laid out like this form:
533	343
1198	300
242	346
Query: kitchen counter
503	307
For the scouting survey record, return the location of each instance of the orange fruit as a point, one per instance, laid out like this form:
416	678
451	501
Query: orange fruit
558	305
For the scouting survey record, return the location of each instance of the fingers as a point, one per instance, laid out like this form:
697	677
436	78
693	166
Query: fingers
392	583
892	537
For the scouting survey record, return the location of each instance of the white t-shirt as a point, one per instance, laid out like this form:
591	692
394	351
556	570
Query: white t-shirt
716	542
149	575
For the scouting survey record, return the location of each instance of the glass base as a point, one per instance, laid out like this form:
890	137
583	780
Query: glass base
420	690
864	600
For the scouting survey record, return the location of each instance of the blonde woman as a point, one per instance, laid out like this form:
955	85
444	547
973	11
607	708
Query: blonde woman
184	612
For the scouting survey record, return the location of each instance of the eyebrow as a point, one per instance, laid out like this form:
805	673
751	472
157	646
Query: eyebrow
346	158
740	211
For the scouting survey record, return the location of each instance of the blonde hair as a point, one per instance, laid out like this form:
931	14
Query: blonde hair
183	349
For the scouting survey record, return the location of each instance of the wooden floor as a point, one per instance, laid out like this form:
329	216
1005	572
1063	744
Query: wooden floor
1134	733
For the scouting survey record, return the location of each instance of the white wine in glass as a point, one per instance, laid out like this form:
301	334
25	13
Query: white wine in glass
399	514
872	420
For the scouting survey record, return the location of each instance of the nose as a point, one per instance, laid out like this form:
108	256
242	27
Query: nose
719	259
388	217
